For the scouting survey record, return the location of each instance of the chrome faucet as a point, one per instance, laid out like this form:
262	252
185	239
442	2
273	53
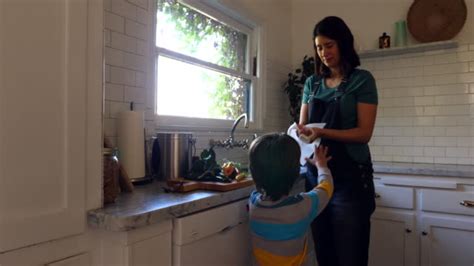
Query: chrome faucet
236	122
230	142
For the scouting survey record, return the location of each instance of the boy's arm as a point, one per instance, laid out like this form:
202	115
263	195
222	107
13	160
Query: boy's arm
321	193
324	189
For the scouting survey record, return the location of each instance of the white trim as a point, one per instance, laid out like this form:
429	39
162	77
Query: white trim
201	63
255	48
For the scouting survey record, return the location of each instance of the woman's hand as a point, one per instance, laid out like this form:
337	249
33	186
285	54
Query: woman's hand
320	158
308	134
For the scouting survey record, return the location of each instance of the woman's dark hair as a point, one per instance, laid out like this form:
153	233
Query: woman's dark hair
335	28
274	164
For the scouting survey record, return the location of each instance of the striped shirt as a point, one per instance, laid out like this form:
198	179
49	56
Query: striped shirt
279	229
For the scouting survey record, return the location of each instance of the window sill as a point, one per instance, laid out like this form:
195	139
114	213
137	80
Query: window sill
417	48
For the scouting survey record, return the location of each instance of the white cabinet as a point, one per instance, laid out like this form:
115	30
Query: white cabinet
146	246
393	238
419	221
219	236
45	129
447	241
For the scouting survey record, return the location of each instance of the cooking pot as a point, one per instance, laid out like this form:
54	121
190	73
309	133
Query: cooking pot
172	154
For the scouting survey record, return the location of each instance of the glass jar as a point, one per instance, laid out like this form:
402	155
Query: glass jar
111	187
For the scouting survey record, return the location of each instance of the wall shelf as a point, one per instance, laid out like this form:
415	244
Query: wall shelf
417	48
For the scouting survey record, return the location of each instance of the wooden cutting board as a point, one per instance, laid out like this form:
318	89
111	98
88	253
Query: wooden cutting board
183	185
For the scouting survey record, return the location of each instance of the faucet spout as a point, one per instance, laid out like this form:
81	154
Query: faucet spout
236	122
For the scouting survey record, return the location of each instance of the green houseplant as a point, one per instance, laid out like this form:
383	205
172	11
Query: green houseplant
294	86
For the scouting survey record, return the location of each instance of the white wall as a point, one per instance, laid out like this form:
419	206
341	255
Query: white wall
127	49
368	19
426	107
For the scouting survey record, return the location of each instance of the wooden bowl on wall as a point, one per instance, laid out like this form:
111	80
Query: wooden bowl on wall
436	20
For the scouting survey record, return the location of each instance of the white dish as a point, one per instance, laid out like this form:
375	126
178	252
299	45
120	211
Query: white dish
307	149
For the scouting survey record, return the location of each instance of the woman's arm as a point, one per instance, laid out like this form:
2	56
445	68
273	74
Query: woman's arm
366	114
304	114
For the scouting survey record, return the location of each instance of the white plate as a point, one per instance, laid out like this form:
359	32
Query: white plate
307	149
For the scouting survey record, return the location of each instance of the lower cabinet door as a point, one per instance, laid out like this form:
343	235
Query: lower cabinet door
392	239
155	251
447	241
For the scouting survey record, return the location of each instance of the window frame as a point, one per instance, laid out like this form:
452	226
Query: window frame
230	17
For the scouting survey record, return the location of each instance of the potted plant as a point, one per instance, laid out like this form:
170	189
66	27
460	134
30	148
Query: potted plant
294	86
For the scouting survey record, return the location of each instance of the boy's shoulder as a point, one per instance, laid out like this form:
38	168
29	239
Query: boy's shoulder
255	199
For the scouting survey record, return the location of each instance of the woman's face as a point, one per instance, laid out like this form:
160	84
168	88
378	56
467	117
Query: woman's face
328	51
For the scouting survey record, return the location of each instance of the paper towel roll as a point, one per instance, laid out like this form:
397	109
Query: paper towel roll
131	143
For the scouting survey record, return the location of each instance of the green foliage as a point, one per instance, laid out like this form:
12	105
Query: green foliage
294	86
194	28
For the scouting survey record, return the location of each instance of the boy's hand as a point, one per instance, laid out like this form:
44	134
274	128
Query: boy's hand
320	158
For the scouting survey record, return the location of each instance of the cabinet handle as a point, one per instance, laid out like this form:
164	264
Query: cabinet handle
377	195
467	203
424	233
408	230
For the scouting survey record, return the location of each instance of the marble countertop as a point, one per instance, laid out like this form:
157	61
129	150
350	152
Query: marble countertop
149	204
444	170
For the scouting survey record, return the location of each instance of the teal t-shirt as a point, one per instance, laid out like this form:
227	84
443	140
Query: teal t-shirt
359	88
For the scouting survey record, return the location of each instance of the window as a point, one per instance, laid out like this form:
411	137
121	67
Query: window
206	63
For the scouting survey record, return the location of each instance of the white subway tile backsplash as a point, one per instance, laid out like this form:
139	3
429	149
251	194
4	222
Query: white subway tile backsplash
401	141
445	160
140	79
423	159
107	38
117	107
392	131
107	73
136	30
424	100
141	3
451	99
114	92
123	76
124	9
445	58
134	94
445	141
114	22
423	141
142	15
424	121
457	152
434	151
466	77
434	131
123	42
466	56
412	131
403	159
458	131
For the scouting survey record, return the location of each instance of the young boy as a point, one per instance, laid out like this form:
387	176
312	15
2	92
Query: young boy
279	223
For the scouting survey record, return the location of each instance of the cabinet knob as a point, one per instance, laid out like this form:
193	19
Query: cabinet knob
408	230
377	195
424	233
467	203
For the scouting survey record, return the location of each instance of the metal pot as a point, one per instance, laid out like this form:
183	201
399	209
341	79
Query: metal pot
175	154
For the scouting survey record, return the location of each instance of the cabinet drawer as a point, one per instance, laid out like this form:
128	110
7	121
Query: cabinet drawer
394	197
446	201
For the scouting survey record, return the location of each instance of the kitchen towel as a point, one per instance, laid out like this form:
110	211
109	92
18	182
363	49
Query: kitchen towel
307	149
131	143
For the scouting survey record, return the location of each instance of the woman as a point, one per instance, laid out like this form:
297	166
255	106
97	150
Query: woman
345	98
